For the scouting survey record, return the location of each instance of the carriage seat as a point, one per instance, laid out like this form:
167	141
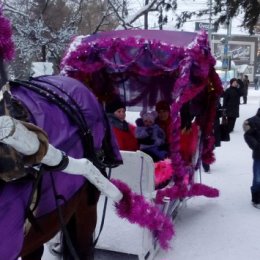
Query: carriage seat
118	234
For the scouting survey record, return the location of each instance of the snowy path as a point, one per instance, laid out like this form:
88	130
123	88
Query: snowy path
227	227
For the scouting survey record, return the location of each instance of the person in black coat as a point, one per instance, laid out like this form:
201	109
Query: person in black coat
241	88
252	137
231	101
246	85
217	132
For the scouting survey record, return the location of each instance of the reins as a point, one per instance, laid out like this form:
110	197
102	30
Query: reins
103	215
64	229
74	113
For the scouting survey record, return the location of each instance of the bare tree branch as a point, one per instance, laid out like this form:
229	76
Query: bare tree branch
101	22
124	24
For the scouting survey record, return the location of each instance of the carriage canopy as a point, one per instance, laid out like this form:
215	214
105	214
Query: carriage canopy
145	66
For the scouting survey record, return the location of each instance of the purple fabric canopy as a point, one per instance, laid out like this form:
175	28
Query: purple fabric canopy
178	39
63	134
142	65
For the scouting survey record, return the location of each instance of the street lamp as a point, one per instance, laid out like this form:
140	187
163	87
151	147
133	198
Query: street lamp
226	59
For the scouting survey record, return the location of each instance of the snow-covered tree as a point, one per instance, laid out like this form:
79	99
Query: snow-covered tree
160	7
224	10
221	11
43	29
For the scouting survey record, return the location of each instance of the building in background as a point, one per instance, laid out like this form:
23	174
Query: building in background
241	51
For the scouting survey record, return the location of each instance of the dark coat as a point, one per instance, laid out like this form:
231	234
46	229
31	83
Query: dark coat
252	134
153	134
217	130
246	85
241	87
231	102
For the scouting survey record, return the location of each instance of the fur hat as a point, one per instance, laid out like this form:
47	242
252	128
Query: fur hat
148	115
114	105
162	105
232	80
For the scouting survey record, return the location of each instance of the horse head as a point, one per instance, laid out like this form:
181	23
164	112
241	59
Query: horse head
11	161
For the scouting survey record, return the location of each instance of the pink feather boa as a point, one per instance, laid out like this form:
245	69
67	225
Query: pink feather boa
136	210
163	171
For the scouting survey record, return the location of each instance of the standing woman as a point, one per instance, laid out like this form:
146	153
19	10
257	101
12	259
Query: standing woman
231	101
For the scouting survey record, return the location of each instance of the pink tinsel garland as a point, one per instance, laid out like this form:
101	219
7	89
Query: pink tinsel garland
135	209
6	43
199	189
182	191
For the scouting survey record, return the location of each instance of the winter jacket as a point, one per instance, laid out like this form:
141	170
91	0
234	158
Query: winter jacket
231	101
217	133
241	87
246	85
252	134
152	136
166	127
125	134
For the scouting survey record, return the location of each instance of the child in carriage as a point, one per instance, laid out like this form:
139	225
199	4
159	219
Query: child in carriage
150	136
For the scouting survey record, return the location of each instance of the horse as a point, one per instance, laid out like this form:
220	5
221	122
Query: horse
64	112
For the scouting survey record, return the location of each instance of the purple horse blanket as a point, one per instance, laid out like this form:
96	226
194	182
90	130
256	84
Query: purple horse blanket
63	134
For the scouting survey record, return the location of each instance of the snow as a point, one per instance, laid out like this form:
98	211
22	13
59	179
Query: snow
221	228
41	68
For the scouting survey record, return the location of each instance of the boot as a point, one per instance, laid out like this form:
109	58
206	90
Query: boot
256	199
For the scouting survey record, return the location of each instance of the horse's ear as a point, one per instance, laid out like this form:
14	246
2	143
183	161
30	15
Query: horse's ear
14	108
2	107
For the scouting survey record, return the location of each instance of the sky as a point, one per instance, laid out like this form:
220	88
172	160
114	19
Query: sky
226	227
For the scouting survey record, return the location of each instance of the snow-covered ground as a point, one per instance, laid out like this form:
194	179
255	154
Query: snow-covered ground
225	227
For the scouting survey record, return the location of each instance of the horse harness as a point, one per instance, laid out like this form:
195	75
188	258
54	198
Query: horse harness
101	159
